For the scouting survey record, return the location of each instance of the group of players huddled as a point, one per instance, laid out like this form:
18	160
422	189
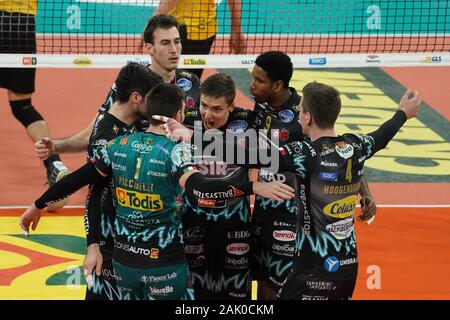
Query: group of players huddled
168	215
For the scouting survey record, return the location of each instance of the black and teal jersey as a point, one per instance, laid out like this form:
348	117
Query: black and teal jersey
186	81
190	84
217	231
280	126
146	168
106	128
329	172
99	212
230	210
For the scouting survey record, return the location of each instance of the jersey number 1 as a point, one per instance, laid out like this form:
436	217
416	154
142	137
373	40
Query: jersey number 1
138	168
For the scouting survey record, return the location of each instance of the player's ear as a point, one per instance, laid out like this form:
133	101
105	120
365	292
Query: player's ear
278	85
148	47
136	97
309	119
232	106
178	116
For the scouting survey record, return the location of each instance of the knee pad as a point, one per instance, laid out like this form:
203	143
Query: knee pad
24	111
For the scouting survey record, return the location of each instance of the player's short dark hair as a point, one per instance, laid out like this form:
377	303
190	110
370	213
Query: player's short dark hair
219	85
135	77
278	66
162	21
323	102
165	99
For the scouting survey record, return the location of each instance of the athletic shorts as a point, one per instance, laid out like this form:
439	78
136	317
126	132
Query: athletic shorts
273	248
171	282
105	286
17	35
218	257
302	286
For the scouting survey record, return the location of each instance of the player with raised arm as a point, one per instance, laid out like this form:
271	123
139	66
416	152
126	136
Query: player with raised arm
329	169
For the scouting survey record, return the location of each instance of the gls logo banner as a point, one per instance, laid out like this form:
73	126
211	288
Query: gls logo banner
139	201
434	59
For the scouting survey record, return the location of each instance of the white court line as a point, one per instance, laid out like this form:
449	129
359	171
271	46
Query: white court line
378	206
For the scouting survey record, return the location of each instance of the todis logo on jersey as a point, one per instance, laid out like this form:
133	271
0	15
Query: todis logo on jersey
139	201
342	208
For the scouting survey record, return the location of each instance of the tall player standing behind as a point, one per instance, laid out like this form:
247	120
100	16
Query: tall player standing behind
18	35
162	41
198	20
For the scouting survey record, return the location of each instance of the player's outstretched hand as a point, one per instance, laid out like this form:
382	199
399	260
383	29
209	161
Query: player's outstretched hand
31	216
44	148
274	190
174	130
93	259
368	210
410	103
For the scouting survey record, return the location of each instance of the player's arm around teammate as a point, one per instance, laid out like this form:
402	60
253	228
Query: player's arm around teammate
90	174
185	173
